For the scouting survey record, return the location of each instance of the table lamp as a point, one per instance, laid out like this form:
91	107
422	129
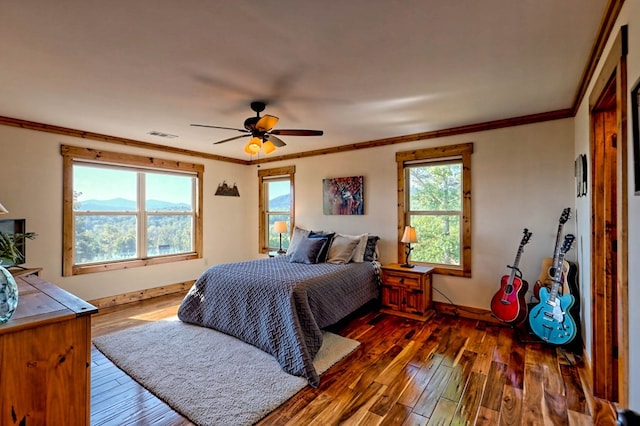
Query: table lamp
280	228
408	237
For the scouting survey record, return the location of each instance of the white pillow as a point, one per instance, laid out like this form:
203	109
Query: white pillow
358	254
342	248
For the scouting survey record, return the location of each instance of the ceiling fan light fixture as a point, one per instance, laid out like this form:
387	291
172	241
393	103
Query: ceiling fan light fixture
254	146
247	149
268	147
261	131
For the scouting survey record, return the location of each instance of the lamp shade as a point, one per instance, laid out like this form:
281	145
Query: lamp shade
254	145
409	235
3	210
247	150
280	227
268	147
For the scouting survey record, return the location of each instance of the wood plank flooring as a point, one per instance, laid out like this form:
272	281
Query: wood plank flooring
445	371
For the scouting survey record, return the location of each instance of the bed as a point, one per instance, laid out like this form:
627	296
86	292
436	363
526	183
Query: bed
280	306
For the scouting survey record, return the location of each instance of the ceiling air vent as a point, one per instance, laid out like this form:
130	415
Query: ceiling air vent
162	134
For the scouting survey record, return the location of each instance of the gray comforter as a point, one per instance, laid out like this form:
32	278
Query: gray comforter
278	306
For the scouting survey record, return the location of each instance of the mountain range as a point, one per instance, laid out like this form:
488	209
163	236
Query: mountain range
122	204
281	202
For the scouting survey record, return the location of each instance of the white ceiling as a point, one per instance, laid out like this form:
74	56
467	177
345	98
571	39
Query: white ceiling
359	69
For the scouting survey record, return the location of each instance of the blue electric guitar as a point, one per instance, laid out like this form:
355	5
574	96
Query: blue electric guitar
550	319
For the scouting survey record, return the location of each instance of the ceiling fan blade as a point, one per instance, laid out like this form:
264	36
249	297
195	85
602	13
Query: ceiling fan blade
220	127
266	123
275	141
297	132
232	139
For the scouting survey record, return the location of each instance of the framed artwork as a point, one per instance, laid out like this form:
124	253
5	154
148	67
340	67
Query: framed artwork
635	117
343	196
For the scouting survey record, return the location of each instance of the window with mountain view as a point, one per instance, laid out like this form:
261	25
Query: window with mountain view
435	195
124	215
276	204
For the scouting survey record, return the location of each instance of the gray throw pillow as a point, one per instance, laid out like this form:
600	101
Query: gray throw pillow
308	250
298	235
325	250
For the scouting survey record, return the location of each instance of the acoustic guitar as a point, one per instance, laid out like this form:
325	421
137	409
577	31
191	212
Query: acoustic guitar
550	319
548	270
508	304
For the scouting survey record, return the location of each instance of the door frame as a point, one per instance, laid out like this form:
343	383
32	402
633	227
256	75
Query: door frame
610	325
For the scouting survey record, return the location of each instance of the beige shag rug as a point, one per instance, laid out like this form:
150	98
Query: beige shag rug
210	377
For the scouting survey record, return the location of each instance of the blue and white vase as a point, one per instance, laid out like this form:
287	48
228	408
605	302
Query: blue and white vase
8	295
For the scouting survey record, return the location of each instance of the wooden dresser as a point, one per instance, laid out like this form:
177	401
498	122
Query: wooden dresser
45	356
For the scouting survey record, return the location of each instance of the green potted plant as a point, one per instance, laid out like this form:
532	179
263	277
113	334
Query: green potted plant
10	255
9	247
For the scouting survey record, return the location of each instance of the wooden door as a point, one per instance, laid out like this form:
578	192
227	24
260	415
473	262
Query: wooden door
604	247
609	281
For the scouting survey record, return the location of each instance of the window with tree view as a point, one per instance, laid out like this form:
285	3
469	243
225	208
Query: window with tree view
435	198
435	210
128	214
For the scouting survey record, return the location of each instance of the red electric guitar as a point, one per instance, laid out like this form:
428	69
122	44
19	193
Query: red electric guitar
508	304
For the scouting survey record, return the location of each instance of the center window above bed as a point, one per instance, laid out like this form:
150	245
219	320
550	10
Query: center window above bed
276	194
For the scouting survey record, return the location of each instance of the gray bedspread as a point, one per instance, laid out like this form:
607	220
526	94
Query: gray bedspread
278	306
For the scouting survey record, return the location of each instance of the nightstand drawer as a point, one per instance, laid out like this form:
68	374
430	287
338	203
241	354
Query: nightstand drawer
399	279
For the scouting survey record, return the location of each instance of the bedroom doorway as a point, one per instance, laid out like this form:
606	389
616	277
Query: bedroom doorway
609	308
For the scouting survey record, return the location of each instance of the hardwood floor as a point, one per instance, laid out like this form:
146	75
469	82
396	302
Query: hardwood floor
447	370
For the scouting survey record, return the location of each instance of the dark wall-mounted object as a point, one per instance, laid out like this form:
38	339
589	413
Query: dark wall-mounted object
230	191
581	175
635	120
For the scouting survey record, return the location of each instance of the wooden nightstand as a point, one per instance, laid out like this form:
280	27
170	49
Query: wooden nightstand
406	291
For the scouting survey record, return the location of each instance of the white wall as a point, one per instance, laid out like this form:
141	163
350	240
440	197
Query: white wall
629	15
31	188
521	177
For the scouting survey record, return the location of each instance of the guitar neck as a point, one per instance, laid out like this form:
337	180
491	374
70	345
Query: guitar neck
514	268
557	278
556	250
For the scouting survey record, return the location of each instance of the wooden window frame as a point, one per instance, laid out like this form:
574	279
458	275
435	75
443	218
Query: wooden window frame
265	175
71	154
463	152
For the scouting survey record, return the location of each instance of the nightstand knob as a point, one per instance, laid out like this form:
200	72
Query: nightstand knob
401	280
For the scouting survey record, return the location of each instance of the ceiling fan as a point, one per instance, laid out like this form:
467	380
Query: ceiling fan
262	132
